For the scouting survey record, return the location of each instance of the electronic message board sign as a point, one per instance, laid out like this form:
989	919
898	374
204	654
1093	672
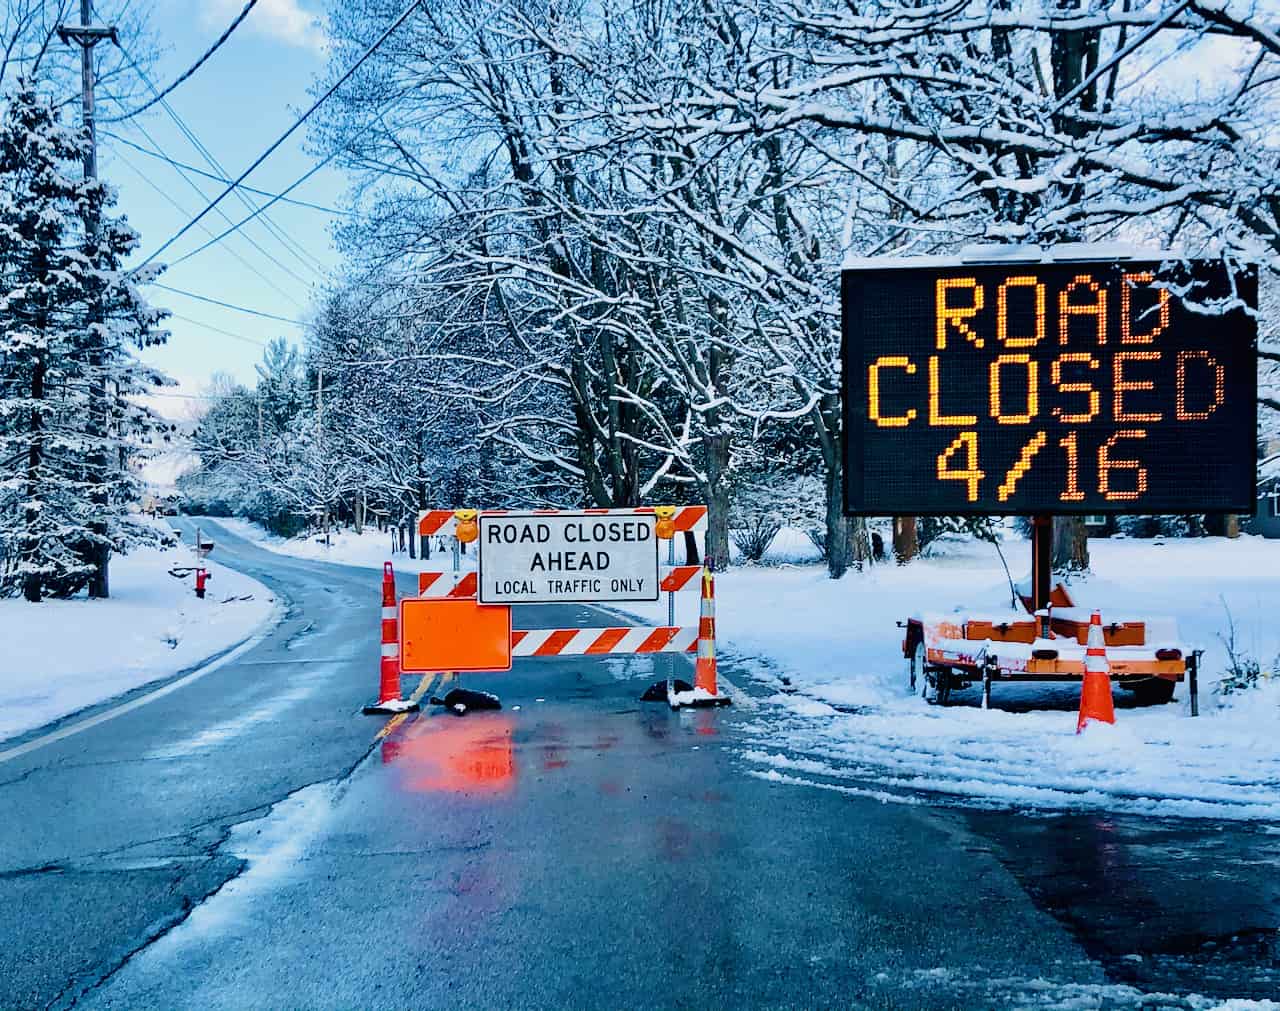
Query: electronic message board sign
1049	387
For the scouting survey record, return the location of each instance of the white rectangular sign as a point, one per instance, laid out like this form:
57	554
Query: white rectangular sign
526	558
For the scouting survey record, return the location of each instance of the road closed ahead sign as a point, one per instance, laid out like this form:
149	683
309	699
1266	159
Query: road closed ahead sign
567	557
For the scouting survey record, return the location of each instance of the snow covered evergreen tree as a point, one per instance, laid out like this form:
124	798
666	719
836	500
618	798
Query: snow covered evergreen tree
70	316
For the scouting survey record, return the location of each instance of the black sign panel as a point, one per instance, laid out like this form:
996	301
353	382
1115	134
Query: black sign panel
1085	387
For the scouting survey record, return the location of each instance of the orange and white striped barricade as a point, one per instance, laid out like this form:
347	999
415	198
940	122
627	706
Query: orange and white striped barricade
443	522
615	641
463	586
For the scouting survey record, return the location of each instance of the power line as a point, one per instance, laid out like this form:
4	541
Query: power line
160	96
226	333
229	305
234	252
404	16
298	252
261	210
175	163
314	265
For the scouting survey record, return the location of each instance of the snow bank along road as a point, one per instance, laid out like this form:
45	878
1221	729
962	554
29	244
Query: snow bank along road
246	842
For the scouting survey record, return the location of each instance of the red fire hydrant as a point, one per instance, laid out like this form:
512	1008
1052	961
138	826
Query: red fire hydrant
202	577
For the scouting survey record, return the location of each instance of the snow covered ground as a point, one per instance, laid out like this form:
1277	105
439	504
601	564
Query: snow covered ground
848	722
62	655
368	549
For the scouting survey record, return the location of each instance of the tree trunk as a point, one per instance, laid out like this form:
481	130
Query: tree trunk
358	512
1222	524
846	540
32	584
1070	544
717	548
906	543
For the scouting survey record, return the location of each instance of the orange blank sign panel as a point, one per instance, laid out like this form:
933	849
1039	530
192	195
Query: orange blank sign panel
453	635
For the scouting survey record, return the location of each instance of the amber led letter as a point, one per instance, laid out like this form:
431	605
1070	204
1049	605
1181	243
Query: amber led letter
1002	312
1219	385
873	391
936	417
1032	406
1097	307
1122	385
1127	335
956	315
1095	399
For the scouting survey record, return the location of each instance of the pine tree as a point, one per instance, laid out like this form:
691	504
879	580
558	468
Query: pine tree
69	316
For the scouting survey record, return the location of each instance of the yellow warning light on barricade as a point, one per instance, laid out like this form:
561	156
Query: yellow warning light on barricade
466	530
665	528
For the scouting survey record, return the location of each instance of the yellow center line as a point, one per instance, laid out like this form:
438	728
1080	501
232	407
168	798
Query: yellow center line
399	718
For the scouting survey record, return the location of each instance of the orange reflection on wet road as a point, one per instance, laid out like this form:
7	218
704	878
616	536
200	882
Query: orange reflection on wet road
445	755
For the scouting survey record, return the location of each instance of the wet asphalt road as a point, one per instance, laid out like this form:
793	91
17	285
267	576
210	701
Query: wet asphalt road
246	842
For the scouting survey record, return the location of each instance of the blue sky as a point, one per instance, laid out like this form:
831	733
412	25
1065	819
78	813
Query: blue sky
236	105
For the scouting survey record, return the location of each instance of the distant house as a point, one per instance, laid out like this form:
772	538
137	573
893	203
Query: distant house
1267	521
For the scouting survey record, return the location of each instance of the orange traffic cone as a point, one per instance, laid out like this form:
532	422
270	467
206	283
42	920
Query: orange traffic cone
389	700
704	672
1095	693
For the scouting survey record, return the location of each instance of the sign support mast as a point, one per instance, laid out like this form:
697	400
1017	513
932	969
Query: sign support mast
1041	561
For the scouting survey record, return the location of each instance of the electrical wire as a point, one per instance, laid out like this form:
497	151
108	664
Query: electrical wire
175	163
172	201
295	250
225	333
346	75
228	305
160	96
261	210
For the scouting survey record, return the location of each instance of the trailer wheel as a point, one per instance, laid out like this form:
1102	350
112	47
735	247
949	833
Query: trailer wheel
915	667
934	682
1152	691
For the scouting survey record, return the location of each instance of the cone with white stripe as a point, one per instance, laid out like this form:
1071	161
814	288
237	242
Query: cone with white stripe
705	691
389	700
1096	704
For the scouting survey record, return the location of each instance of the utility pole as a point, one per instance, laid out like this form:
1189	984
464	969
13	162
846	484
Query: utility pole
87	35
320	444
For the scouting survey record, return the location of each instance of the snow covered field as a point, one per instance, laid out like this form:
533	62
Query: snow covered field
62	655
848	722
368	549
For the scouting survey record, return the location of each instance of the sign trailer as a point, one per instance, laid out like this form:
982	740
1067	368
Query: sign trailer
1043	387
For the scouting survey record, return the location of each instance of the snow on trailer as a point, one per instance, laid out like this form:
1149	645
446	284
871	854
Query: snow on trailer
950	652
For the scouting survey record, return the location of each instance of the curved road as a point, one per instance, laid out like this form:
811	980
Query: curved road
248	841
